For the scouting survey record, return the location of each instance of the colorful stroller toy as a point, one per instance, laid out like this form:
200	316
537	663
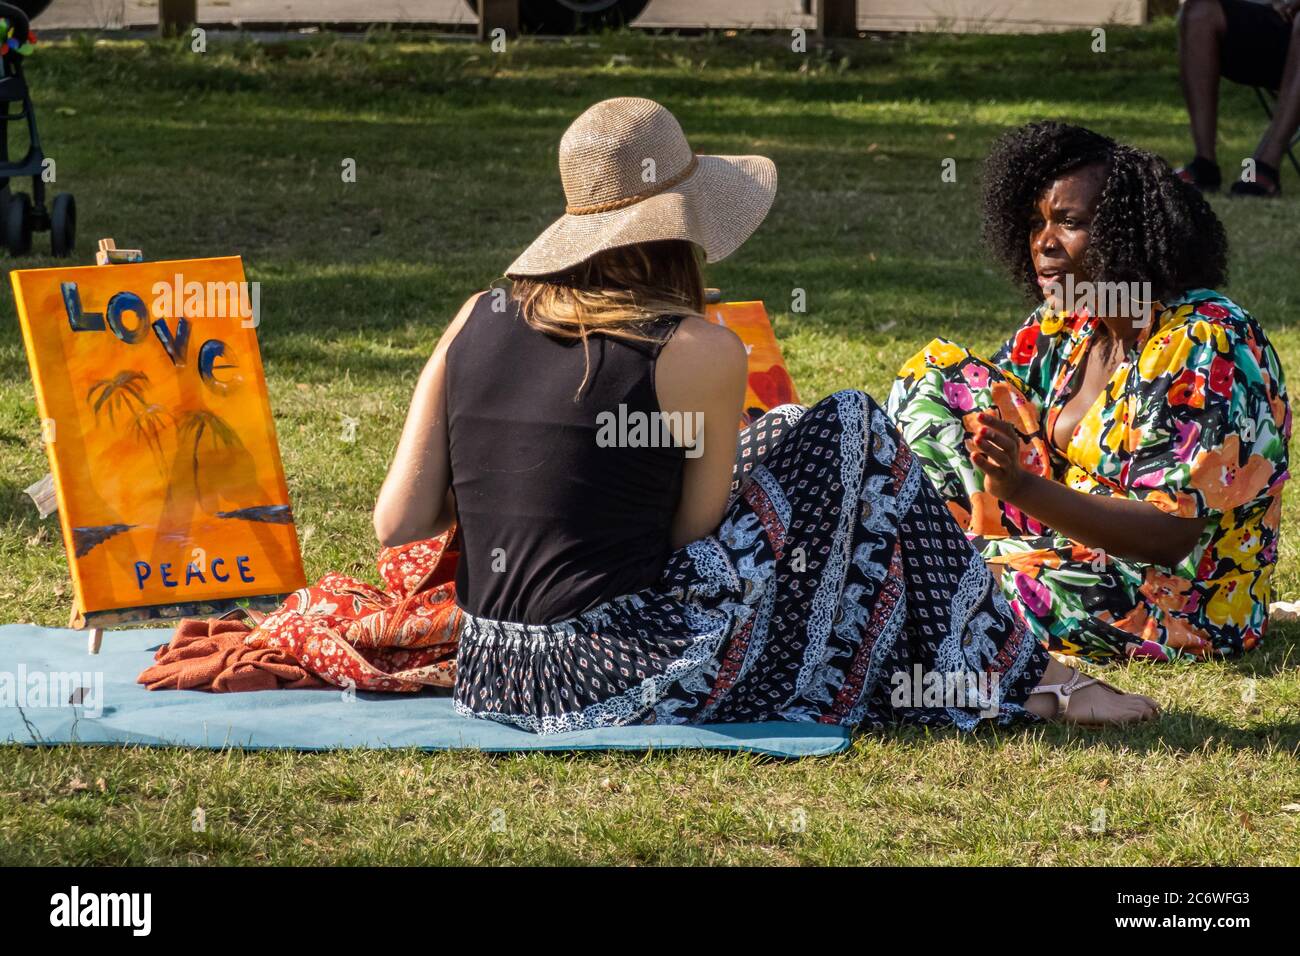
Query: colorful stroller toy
20	214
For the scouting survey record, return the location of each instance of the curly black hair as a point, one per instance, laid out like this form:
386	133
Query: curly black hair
1150	226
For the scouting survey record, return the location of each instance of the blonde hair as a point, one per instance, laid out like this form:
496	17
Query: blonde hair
615	293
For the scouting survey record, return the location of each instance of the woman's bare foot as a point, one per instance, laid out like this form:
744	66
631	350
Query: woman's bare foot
1089	704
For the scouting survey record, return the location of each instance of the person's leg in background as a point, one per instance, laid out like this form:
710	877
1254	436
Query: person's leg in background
1202	27
1286	113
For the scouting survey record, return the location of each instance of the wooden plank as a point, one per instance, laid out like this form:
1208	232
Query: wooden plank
996	16
958	16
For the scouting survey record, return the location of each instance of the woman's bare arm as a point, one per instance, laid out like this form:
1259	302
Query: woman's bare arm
702	372
1123	527
415	501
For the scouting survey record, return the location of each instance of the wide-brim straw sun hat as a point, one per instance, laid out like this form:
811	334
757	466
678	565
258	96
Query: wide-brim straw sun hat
630	176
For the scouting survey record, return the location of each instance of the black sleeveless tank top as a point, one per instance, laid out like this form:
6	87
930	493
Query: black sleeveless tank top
553	518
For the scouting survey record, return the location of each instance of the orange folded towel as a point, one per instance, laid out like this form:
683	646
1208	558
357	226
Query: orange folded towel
211	655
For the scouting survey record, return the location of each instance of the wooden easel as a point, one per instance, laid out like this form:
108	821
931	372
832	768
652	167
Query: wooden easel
109	254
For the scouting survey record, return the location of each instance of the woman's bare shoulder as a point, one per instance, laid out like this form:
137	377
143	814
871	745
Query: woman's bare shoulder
702	357
455	325
699	343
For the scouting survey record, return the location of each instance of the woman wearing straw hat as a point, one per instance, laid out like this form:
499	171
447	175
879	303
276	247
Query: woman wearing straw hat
625	557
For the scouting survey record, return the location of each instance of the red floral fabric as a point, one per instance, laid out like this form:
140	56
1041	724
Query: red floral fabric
354	635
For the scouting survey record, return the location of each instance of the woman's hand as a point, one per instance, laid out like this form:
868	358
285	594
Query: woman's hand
995	451
1109	524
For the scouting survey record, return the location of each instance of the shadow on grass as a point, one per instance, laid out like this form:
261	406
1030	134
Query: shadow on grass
16	506
1177	731
328	70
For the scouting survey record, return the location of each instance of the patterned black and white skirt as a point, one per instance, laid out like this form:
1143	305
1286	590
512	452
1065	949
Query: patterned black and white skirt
838	589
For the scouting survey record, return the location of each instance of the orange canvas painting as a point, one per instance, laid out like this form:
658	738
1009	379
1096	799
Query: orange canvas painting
155	416
770	384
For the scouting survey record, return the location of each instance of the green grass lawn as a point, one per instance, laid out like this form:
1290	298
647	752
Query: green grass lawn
239	150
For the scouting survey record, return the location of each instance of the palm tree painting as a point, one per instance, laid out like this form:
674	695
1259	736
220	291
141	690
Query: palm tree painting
124	394
194	427
118	393
157	467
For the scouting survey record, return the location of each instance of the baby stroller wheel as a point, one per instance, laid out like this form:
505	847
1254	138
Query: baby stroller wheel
63	225
18	224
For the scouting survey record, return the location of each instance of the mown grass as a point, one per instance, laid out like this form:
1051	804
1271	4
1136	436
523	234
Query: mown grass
240	150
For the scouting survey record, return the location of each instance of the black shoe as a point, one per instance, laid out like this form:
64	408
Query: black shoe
1269	188
1202	173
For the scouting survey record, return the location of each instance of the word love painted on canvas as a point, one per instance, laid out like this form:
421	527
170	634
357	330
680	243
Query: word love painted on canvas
200	299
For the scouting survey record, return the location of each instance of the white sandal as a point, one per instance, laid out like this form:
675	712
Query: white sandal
1078	681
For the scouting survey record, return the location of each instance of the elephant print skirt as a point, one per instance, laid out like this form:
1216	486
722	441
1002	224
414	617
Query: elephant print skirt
838	589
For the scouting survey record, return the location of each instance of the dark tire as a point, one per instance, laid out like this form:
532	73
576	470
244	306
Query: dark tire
18	225
562	17
63	225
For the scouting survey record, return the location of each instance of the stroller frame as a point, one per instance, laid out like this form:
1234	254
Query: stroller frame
20	214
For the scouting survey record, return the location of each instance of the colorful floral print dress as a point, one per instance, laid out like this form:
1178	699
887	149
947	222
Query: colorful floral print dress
1196	422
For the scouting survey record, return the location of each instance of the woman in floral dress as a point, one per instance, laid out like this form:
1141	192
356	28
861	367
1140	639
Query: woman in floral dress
1120	460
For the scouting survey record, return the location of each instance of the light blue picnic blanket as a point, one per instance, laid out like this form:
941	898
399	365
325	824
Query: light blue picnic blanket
43	669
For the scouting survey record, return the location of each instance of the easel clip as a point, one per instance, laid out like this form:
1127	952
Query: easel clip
110	254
